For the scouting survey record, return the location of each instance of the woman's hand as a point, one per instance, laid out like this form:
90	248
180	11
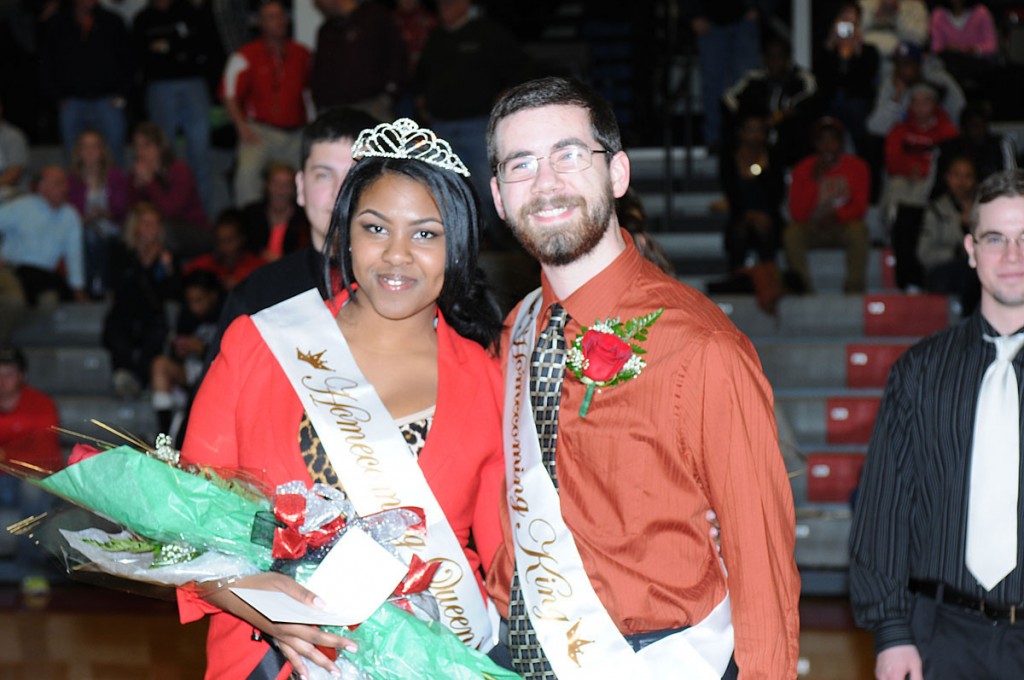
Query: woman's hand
294	640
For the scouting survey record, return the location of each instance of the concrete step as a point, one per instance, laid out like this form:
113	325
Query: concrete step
70	324
69	370
821	417
134	416
829	363
893	316
822	315
822	538
646	163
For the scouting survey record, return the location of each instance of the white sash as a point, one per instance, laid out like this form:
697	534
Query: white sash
368	451
578	635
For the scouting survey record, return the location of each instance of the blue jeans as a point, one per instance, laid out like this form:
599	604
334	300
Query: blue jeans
102	115
183	104
726	54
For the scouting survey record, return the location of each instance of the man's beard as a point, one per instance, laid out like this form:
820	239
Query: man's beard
567	243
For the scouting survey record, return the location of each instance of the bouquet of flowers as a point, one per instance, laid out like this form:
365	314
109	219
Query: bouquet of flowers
184	525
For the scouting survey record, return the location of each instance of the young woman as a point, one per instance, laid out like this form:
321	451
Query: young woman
166	182
99	190
135	329
412	331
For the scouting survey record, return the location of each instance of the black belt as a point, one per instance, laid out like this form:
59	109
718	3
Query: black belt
940	592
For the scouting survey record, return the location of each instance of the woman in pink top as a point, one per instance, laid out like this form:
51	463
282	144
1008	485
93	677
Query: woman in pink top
159	178
966	26
964	35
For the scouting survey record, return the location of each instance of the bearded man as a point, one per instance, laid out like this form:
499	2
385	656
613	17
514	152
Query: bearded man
633	405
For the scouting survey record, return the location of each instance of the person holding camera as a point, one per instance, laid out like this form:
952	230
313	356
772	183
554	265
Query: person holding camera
847	73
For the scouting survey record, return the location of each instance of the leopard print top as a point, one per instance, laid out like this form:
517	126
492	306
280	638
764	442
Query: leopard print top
413	427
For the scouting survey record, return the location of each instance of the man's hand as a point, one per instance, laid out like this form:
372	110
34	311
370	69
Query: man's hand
294	640
246	134
715	532
897	663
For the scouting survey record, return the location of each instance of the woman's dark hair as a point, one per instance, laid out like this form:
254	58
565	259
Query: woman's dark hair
156	136
465	300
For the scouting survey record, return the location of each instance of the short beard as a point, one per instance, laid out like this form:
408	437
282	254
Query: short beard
569	243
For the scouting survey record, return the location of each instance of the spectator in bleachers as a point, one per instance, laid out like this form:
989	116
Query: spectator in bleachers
27	415
754	183
729	45
326	160
230	261
13	310
629	210
828	199
175	372
27	419
159	178
13	159
947	220
887	23
175	44
360	58
263	86
910	150
86	63
964	35
781	92
847	72
275	225
415	22
38	233
910	160
912	66
135	328
467	47
988	151
99	192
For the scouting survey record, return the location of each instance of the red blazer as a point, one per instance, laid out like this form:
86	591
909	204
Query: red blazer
246	415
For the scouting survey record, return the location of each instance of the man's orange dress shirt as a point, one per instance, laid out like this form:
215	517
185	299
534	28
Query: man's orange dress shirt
695	430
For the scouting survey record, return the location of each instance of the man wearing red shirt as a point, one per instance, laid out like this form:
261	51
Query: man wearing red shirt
263	87
27	419
230	260
910	150
828	199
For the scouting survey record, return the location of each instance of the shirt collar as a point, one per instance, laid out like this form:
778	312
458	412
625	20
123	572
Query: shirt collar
985	328
598	297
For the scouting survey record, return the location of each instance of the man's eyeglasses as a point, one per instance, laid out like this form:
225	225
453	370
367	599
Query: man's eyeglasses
573	158
994	242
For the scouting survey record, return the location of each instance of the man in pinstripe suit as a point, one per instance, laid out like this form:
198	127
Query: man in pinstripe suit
932	615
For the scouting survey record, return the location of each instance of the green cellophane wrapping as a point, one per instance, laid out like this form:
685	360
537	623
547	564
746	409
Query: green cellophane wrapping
395	645
162	503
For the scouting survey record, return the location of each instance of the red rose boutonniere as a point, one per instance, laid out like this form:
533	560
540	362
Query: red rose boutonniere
604	354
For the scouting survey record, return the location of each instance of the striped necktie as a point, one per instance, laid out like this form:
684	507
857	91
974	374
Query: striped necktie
547	367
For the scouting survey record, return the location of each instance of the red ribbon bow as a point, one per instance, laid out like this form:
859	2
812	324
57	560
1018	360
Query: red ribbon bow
289	542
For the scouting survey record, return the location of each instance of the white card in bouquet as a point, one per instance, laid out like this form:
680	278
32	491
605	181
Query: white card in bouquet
354	579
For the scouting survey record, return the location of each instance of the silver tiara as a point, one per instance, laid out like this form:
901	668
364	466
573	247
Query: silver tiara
406	139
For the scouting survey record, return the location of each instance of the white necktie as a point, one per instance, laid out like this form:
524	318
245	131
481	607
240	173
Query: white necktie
995	469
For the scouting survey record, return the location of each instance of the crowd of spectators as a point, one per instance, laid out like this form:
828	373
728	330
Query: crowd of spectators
889	92
880	119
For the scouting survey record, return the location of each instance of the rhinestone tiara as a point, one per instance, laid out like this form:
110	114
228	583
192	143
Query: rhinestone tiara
406	139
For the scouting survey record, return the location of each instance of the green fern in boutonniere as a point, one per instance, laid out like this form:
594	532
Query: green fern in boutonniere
606	353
